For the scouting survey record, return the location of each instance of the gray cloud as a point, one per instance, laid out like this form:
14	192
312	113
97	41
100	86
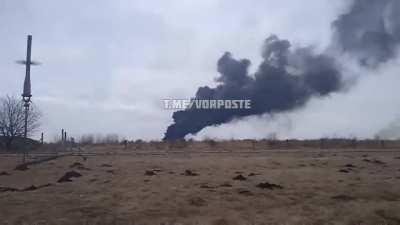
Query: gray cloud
109	64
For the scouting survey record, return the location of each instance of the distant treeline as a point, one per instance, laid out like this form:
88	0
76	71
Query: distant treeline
89	139
207	144
265	144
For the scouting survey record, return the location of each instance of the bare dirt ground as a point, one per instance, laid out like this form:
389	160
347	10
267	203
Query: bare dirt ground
268	187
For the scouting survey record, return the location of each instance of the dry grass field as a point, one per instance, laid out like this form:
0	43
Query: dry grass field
215	184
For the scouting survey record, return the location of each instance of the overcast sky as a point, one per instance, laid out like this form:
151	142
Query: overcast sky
107	65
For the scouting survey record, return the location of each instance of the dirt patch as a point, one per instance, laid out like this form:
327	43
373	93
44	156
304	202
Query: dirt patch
110	171
253	174
150	173
206	186
30	188
375	161
33	187
105	165
197	201
190	173
345	198
4	173
245	192
350	166
7	189
239	177
226	185
270	186
68	175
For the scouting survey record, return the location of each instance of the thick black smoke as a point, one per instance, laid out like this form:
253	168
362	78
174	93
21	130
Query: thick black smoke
287	78
370	30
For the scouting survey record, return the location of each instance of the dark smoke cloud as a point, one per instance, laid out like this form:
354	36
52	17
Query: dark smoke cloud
370	30
285	80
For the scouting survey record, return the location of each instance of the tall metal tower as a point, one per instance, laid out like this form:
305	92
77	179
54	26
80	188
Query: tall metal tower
27	94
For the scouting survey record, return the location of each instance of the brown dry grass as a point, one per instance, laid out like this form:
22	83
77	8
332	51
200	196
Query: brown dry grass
115	190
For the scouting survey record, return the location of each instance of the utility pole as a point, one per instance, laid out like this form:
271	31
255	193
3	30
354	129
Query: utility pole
65	137
65	140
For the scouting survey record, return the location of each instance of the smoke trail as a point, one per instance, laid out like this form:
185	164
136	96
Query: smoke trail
370	30
287	78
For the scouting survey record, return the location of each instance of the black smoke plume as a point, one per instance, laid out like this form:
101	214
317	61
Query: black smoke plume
287	78
370	30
